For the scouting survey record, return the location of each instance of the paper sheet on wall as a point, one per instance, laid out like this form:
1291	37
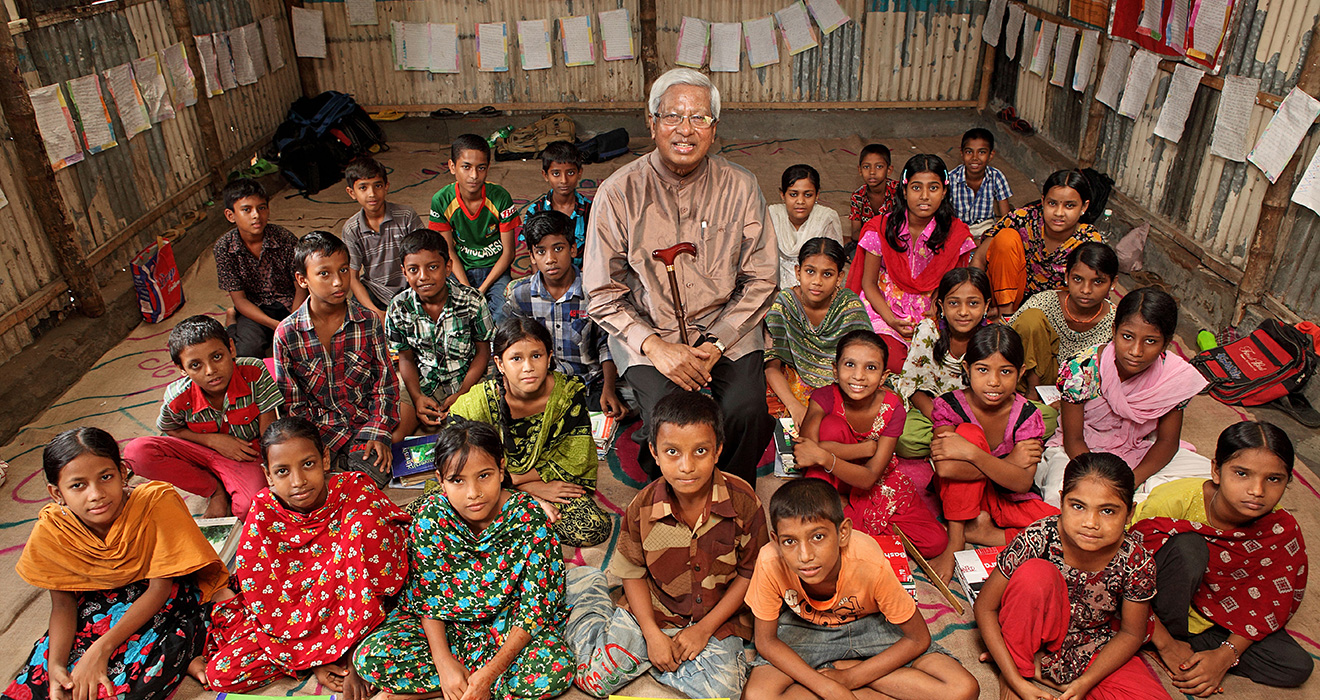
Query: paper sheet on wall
1116	68
1178	102
579	45
1175	31
1237	100
762	49
361	12
1040	56
244	70
1141	73
1307	192
994	22
725	47
829	15
534	44
56	126
399	43
151	84
1087	56
693	35
270	31
252	35
1016	16
210	74
444	48
1063	49
1284	133
1030	28
224	61
616	35
1209	18
128	100
796	28
89	104
183	85
412	45
308	32
492	47
1149	22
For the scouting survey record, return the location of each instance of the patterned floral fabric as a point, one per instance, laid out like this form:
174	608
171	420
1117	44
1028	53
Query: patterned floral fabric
1071	342
1045	269
1095	597
859	208
920	370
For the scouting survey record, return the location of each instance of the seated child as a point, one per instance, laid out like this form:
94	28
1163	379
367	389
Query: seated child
440	330
979	191
988	441
1068	601
542	418
798	219
554	296
878	194
212	419
254	265
478	220
848	440
1214	542
1029	248
373	234
561	166
686	555
129	576
318	560
1058	324
331	363
805	323
847	628
1127	397
483	607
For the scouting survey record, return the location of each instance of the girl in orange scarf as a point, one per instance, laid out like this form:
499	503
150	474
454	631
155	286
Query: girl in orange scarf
129	575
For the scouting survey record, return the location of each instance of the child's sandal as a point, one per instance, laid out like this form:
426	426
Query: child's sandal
1022	126
1008	114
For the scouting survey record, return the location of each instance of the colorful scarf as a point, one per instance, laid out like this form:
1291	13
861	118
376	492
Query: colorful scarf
1132	409
315	583
898	264
810	349
1257	573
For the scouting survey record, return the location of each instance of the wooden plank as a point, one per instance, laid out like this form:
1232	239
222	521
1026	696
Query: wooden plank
634	106
32	305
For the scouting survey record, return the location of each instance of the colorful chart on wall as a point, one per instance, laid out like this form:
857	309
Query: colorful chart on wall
1194	30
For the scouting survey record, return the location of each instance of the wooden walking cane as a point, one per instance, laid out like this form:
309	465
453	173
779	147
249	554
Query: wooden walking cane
668	256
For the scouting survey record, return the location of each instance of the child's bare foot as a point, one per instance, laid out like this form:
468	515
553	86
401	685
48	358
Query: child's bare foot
197	669
218	505
943	565
231	316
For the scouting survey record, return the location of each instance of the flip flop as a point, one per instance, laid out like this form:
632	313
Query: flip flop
1008	114
1296	406
391	115
1022	126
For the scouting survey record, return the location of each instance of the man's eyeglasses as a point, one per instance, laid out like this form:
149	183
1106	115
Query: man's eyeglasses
698	121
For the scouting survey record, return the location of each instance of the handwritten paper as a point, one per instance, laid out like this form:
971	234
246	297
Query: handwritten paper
1209	19
1307	192
252	35
578	42
56	126
1040	57
534	44
616	35
1016	16
1237	99
1149	22
829	15
725	47
492	47
128	100
224	61
270	31
151	85
183	83
361	12
762	49
1178	102
693	34
244	72
1175	32
1063	48
1116	68
994	22
444	48
412	45
1140	75
1284	133
210	74
1087	56
308	32
98	134
796	28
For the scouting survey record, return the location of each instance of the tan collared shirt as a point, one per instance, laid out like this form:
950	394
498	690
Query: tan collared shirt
727	288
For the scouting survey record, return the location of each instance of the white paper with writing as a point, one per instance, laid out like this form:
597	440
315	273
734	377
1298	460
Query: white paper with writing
1087	57
693	35
1063	48
796	28
1139	78
1230	138
829	15
762	47
270	31
1208	27
183	84
1016	16
1040	56
725	47
224	61
85	92
128	100
308	32
1284	133
579	44
245	73
1116	68
994	22
151	84
1178	103
534	44
444	48
56	126
1307	192
616	35
492	47
361	12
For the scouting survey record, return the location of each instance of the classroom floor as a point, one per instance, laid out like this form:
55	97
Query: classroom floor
121	394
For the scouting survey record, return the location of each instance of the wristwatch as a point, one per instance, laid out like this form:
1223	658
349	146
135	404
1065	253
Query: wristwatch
719	344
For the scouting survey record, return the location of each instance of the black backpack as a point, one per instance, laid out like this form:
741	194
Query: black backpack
603	147
319	136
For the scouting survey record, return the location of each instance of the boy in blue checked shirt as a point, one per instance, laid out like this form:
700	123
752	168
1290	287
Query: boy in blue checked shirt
554	296
331	363
561	166
441	331
979	192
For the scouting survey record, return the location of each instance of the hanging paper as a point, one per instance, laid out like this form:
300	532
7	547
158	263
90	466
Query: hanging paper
55	123
183	85
128	100
1175	31
224	61
616	35
693	35
210	74
412	45
796	28
1140	76
308	32
534	44
1063	47
829	15
399	43
1284	133
492	47
1208	23
577	40
762	48
244	70
98	134
1087	56
1307	193
1111	83
994	22
270	31
1040	57
1178	102
1237	99
151	85
444	48
252	35
4	201
1151	14
725	47
1016	16
361	12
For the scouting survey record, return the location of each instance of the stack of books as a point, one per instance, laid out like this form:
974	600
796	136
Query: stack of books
898	560
785	462
603	430
414	461
973	567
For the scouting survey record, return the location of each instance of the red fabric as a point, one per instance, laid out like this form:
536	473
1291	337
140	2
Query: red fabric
1257	574
196	469
964	500
896	263
897	353
235	659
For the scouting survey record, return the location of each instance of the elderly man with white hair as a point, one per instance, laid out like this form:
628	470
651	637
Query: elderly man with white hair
681	193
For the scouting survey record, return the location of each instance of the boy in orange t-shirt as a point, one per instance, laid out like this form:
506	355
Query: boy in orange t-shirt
846	609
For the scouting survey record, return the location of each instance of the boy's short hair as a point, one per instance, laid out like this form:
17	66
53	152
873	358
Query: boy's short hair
875	149
468	142
420	239
195	330
547	223
687	408
321	243
978	134
240	188
806	499
365	168
560	152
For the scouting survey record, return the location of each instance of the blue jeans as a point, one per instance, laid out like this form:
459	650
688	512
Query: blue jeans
494	295
820	646
611	650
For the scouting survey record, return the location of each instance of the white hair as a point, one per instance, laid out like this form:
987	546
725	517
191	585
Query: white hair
682	76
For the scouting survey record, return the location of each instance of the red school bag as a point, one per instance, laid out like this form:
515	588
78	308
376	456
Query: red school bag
1272	362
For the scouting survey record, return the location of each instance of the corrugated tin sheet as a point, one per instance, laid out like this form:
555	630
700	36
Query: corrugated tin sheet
923	51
